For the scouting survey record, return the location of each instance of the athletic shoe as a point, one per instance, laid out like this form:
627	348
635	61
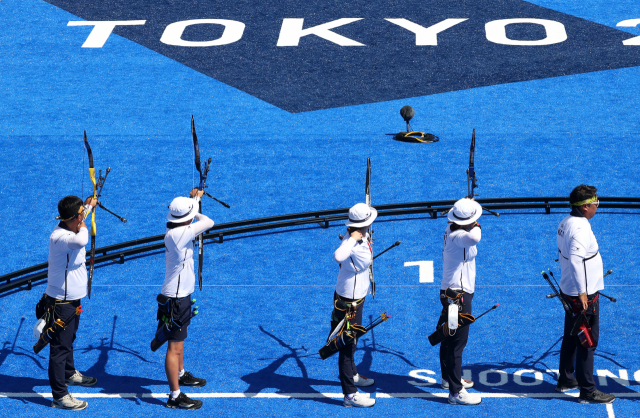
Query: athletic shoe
566	386
69	402
467	384
187	379
465	398
78	379
596	397
358	400
360	380
183	402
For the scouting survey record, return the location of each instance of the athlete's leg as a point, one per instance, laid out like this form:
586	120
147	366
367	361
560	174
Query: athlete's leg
173	363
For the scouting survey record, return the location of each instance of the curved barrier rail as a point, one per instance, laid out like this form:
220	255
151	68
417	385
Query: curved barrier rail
119	252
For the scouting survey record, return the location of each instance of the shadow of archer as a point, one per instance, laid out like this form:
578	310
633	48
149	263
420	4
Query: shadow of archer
386	382
269	378
115	383
497	380
22	384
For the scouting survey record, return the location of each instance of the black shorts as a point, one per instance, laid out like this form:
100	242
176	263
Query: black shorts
181	312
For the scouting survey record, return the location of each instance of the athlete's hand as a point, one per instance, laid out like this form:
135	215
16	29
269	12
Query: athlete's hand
81	225
584	300
91	201
357	233
195	192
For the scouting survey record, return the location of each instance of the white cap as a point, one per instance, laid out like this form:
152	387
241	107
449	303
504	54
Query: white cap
361	215
182	209
465	211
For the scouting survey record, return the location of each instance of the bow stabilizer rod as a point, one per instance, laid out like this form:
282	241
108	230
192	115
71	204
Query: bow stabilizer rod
393	246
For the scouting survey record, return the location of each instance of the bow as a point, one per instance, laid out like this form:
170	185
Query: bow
471	176
204	172
471	173
367	200
92	174
98	184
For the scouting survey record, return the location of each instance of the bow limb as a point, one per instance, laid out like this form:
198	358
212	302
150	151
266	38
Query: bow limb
196	150
92	174
367	200
471	172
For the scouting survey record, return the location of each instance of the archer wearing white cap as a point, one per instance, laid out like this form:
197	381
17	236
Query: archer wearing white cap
178	285
459	274
354	257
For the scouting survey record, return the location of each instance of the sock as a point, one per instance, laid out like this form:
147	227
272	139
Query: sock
350	396
175	393
181	373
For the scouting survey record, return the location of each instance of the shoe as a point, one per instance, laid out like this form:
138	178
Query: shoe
596	397
183	402
465	398
187	379
359	400
70	403
467	384
360	380
78	379
564	387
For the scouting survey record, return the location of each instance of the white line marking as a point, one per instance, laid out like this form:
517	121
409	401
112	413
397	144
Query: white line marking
610	411
330	285
378	395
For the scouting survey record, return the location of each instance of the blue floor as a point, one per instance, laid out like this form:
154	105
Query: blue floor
265	307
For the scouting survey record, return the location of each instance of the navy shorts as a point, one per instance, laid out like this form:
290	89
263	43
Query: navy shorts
182	312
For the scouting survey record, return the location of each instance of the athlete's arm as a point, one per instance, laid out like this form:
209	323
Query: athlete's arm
344	251
80	239
468	239
577	254
204	223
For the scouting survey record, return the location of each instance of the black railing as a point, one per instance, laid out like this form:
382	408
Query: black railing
119	252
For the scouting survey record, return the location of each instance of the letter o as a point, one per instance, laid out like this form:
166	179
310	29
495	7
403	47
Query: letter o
504	378
517	377
497	33
233	31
